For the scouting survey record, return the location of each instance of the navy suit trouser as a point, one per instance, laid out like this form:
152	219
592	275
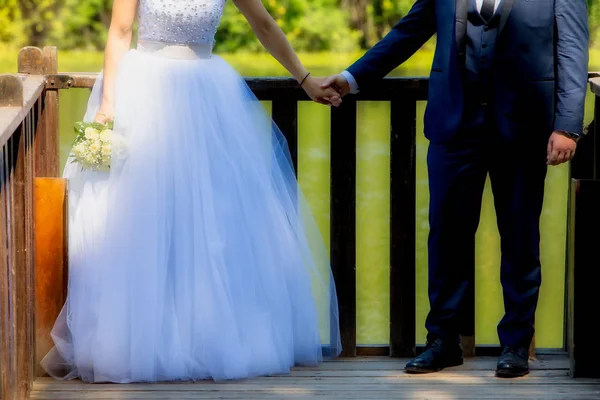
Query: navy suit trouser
457	176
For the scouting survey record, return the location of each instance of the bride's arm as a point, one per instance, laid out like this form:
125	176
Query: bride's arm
273	39
119	41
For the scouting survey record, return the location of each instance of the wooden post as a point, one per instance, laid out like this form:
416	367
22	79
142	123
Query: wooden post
30	61
583	278
285	116
47	135
343	219
402	235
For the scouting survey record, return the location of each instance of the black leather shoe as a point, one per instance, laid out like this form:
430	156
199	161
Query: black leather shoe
513	363
438	355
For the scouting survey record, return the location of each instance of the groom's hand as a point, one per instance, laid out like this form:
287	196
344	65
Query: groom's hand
337	82
561	149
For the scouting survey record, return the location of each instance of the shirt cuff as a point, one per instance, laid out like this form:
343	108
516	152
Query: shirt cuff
351	82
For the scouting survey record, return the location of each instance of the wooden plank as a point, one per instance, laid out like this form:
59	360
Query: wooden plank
31	61
306	384
583	277
12	323
343	219
358	376
285	116
356	382
372	351
322	383
415	393
50	210
29	274
477	363
402	235
6	367
22	271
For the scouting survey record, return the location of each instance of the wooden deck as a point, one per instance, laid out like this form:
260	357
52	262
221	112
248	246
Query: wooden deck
350	379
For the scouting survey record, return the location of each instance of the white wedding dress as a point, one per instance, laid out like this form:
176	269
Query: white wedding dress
196	257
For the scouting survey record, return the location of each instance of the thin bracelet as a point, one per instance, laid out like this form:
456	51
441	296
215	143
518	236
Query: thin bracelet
304	79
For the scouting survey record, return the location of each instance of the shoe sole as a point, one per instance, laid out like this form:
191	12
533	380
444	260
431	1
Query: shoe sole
417	370
506	373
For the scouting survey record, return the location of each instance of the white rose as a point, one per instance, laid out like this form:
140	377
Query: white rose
95	147
79	150
106	135
91	133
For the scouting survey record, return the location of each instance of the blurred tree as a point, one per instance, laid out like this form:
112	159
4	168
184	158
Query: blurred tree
374	18
84	24
11	23
39	19
311	25
316	25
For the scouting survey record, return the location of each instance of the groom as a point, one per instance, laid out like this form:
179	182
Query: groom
506	97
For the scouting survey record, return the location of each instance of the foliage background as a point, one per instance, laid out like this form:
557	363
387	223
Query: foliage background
312	25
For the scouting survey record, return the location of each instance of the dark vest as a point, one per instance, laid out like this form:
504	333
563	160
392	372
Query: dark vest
480	46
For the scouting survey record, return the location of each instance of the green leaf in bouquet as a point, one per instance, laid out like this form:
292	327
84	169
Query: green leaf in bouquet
79	128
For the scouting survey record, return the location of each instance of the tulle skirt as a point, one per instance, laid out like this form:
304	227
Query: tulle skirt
196	256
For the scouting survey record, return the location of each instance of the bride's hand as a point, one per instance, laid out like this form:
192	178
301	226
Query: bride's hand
327	96
105	115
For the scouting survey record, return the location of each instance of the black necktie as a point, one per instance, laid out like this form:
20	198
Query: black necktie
487	9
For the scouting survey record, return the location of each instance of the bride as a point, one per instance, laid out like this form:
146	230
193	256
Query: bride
196	256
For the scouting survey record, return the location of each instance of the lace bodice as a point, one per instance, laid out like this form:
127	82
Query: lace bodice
179	21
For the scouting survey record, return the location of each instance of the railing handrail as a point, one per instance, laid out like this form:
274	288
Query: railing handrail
276	88
11	116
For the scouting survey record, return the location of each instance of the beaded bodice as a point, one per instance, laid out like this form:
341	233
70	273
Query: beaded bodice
179	21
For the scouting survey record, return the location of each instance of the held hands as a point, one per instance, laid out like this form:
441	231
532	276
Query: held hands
339	83
561	149
321	94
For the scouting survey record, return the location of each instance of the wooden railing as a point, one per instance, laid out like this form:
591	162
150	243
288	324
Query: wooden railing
28	130
33	286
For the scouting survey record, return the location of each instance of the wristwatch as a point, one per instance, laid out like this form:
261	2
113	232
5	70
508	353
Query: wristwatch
570	135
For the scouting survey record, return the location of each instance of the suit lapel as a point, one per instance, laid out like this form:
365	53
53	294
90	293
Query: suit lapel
507	6
462	9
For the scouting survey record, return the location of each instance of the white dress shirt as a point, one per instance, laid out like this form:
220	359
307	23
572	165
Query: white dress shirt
352	82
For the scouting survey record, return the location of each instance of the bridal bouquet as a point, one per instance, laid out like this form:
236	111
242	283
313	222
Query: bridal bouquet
95	145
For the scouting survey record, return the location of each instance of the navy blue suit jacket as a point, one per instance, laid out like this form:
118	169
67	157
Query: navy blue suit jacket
540	66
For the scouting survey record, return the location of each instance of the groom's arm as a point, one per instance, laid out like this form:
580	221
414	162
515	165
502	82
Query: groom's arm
572	40
397	46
